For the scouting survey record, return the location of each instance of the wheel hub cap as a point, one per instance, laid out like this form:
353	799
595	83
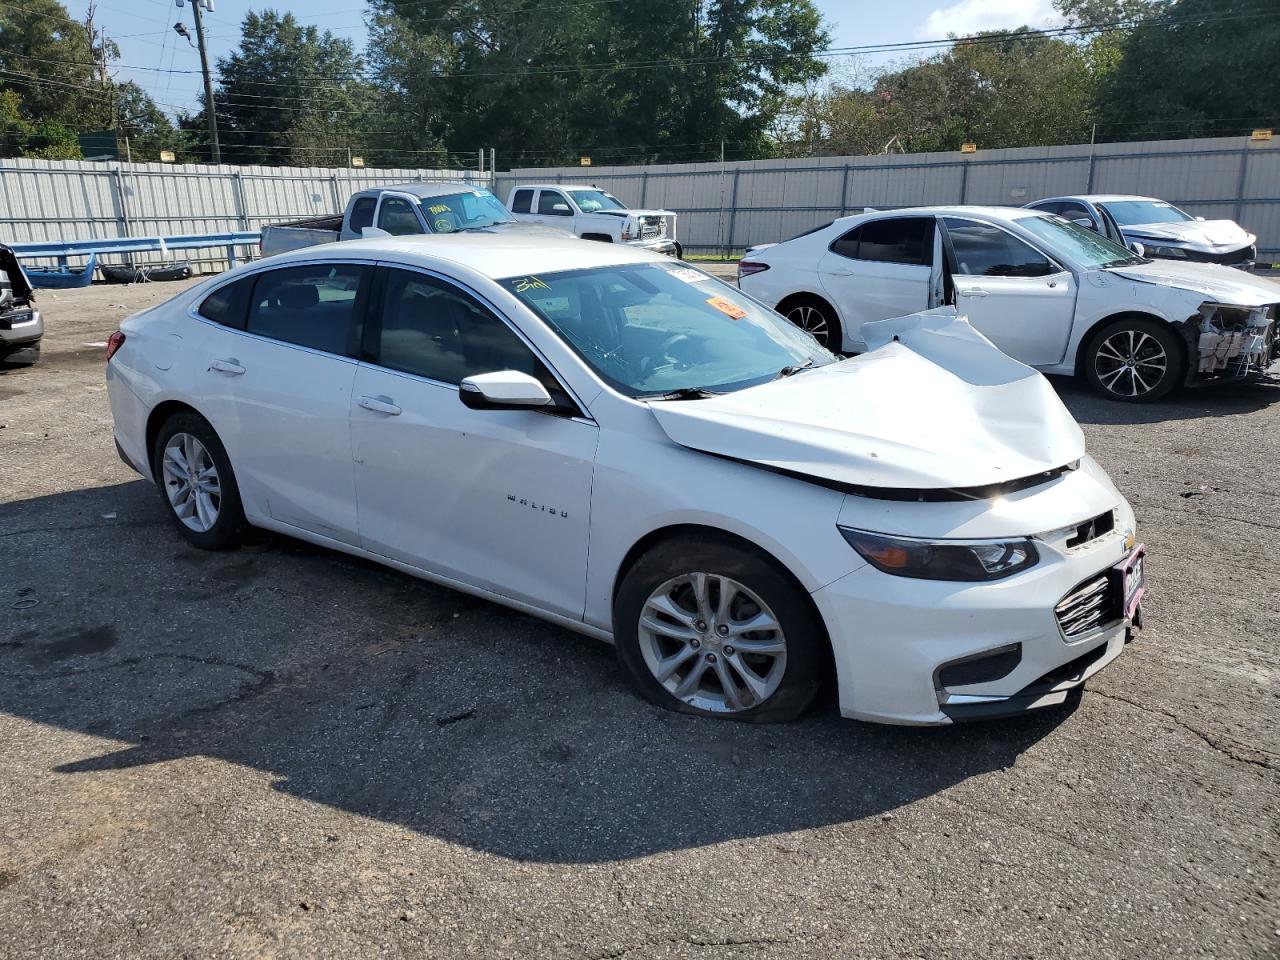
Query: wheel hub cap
1130	363
191	482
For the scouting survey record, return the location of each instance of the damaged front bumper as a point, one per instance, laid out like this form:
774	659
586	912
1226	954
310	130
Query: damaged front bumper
1230	343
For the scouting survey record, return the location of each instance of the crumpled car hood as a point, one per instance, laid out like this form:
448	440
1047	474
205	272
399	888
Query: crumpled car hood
933	405
1211	280
1201	233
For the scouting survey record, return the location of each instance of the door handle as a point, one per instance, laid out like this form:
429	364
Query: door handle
380	405
840	273
231	367
974	292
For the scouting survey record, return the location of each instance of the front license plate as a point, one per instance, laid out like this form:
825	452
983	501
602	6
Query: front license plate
1133	581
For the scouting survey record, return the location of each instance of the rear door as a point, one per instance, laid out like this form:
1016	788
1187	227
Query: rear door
879	269
279	390
497	499
1014	294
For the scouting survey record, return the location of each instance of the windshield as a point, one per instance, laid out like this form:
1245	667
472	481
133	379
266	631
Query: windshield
650	329
1129	213
589	201
469	210
1078	244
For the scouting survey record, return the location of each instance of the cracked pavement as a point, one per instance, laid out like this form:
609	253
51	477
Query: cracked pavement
284	752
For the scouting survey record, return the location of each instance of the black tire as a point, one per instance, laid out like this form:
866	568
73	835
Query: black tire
25	355
807	654
816	317
230	525
1158	353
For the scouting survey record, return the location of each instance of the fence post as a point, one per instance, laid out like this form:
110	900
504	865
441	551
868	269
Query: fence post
644	187
333	186
844	191
733	211
964	181
241	202
1244	176
1088	183
124	203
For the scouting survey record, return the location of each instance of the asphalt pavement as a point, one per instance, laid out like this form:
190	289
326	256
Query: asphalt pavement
284	752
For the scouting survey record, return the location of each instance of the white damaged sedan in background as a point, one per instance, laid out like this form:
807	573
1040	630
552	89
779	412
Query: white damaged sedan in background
627	447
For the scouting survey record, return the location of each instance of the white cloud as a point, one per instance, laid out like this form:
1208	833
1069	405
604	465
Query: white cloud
971	16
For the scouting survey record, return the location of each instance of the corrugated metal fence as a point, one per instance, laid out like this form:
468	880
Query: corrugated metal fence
731	206
75	200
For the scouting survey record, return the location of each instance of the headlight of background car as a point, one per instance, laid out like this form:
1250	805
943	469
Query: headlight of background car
943	559
1174	253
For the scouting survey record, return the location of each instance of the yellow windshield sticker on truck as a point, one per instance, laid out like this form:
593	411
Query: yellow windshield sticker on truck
440	208
727	307
443	225
525	284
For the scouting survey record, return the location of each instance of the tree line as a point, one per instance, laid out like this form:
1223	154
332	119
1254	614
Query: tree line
662	81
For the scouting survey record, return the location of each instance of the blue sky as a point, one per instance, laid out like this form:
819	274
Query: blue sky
144	29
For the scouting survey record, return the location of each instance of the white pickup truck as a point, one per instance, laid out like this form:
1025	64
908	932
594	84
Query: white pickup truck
397	210
593	214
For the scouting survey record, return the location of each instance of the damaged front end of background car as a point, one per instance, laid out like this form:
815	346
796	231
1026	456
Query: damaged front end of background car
21	326
1230	342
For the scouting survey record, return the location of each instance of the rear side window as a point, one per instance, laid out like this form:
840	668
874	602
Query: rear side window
312	306
905	240
362	213
985	250
228	303
396	216
522	202
434	330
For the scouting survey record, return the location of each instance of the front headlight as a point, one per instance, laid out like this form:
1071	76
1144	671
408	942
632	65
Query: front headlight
970	560
1172	253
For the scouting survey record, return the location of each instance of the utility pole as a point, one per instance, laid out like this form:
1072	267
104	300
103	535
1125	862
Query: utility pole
208	83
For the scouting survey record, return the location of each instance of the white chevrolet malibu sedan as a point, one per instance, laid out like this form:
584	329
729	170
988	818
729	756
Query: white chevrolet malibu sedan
628	447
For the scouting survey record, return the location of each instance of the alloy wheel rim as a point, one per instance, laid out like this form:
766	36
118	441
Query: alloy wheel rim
1130	363
712	643
811	321
191	482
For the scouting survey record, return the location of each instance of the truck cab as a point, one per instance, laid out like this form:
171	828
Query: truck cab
594	214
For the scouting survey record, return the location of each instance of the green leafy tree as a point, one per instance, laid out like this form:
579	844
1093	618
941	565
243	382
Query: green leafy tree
52	62
47	140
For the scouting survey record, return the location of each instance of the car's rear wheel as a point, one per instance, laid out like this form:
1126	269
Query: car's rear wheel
715	629
197	483
1134	360
815	317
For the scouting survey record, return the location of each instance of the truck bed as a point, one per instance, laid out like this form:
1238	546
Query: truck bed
283	237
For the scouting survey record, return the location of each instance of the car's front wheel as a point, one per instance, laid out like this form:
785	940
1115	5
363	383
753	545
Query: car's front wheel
712	628
1134	360
197	483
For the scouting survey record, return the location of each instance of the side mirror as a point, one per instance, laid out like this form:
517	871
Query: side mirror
1201	219
503	390
561	208
1137	248
1086	223
368	232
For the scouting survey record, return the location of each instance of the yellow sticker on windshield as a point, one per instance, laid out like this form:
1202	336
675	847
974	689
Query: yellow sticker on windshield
526	284
727	307
440	208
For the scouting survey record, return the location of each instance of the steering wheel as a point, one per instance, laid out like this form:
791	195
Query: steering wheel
672	341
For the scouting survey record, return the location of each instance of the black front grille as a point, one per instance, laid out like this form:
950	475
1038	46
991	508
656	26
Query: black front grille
1093	528
1229	258
1090	605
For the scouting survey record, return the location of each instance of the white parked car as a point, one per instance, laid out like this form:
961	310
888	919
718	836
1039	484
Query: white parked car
1048	292
630	448
594	214
1156	228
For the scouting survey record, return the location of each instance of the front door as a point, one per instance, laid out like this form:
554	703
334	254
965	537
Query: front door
498	499
1013	294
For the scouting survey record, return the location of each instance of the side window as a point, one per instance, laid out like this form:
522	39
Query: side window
396	216
227	304
985	250
522	202
362	213
1074	211
434	330
905	240
549	199
312	306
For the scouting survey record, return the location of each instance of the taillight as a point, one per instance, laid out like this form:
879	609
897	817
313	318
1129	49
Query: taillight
114	343
747	267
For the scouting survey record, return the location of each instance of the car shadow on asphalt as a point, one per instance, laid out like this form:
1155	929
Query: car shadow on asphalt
388	697
1191	403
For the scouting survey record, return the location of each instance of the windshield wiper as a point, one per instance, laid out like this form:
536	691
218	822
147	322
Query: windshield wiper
683	393
792	370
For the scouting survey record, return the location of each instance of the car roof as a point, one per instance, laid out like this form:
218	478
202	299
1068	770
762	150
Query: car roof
1100	198
491	254
425	189
557	186
959	210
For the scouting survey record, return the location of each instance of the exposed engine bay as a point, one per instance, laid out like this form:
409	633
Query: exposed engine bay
1232	342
